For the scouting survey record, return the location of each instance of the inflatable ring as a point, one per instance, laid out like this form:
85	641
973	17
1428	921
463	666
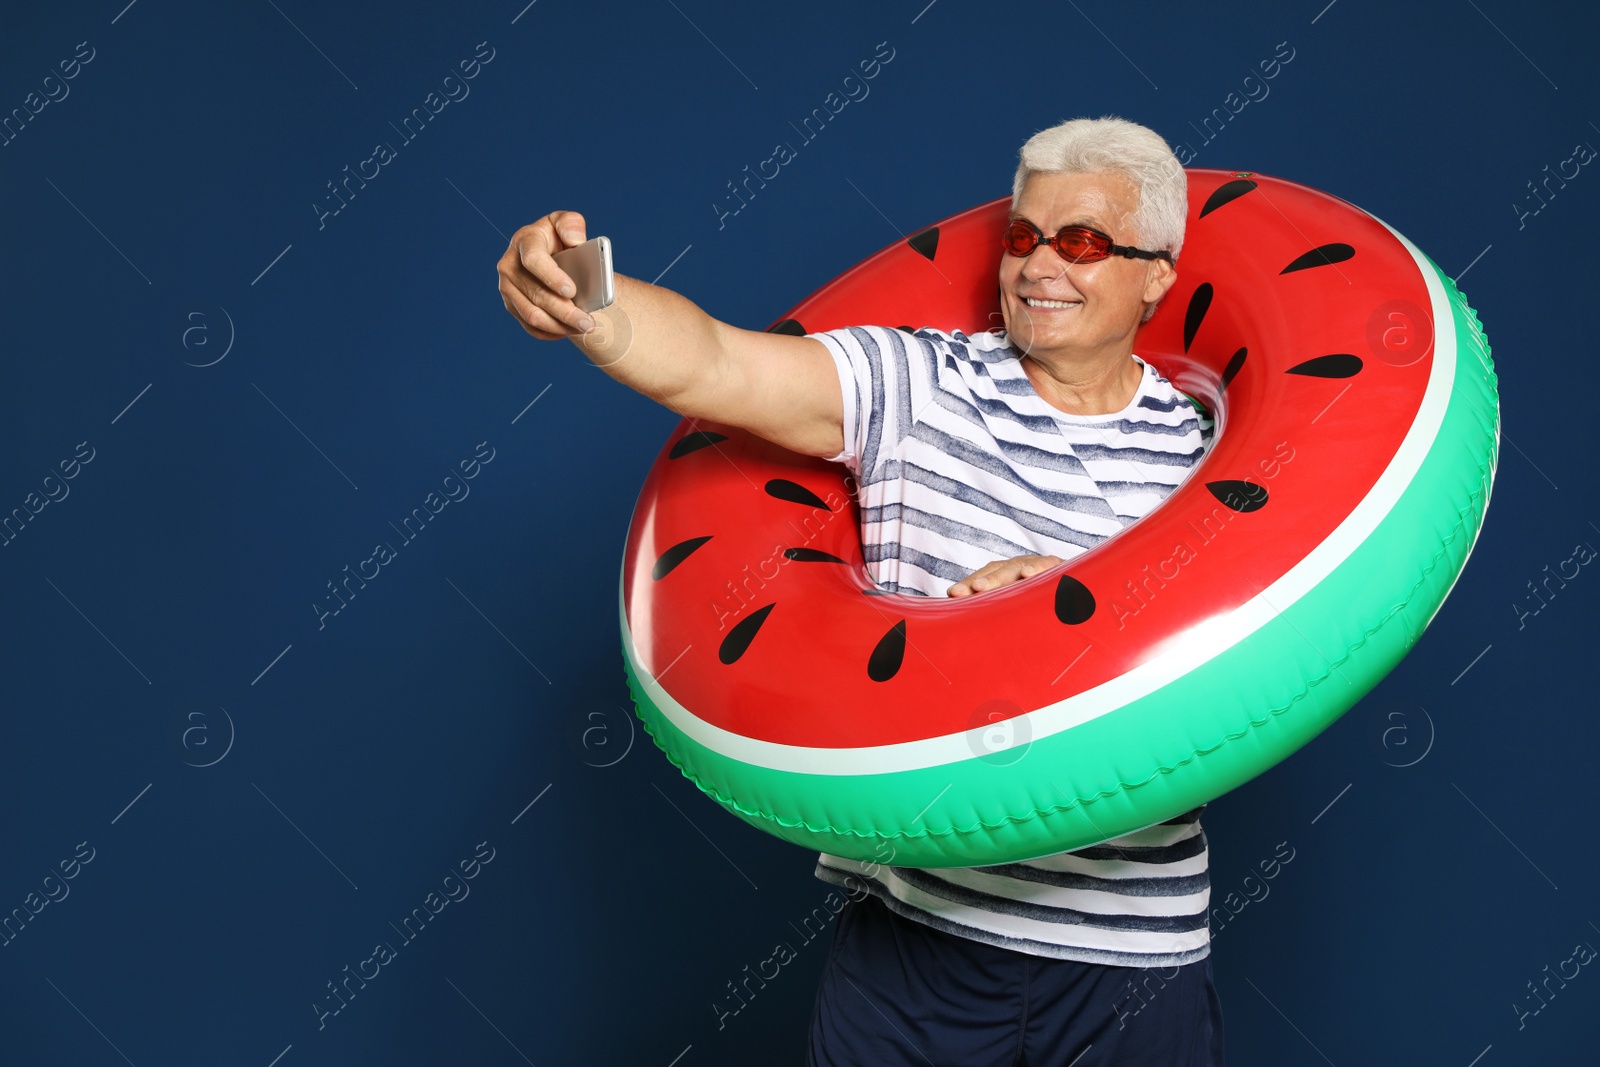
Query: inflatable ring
1357	433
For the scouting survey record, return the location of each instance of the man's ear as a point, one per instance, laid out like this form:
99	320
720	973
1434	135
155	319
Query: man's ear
1163	276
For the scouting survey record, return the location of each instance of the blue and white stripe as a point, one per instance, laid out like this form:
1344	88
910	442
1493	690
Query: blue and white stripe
1138	901
960	463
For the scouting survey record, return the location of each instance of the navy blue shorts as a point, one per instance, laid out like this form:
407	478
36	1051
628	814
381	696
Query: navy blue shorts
895	991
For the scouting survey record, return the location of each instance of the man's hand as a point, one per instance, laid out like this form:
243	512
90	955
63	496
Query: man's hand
536	291
1003	572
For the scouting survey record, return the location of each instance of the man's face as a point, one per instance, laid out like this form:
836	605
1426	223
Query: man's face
1103	300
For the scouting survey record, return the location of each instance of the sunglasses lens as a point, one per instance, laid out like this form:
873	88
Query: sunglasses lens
1019	239
1075	244
1079	245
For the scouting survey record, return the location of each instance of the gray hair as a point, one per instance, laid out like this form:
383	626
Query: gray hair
1114	144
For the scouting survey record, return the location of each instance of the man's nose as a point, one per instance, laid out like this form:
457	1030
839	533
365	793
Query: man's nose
1044	263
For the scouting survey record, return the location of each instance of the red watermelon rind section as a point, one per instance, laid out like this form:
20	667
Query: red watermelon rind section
1209	731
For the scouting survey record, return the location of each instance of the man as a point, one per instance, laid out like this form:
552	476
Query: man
1024	447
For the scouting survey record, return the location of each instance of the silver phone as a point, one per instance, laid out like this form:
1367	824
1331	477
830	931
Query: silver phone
589	267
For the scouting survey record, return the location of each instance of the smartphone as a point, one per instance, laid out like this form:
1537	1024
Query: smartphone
589	267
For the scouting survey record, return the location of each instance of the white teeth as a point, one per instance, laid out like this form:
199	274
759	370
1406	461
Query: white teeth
1052	303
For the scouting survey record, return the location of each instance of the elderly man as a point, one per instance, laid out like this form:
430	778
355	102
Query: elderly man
1026	446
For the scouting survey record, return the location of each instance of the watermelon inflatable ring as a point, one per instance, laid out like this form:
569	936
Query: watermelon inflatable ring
1357	436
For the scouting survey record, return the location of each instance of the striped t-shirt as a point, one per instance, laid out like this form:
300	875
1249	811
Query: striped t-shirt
961	463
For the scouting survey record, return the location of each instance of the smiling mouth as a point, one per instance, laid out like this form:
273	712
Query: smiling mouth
1035	303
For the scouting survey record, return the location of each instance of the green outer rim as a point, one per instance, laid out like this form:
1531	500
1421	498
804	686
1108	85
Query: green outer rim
1205	733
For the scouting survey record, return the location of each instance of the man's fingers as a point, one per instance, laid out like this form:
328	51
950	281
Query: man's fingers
537	243
993	576
1002	572
533	318
570	225
570	317
533	286
541	267
972	582
571	231
526	292
979	580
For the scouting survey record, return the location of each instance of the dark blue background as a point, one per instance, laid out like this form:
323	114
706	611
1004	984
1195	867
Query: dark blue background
162	610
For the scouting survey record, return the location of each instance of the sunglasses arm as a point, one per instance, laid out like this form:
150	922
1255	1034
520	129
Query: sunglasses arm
1140	253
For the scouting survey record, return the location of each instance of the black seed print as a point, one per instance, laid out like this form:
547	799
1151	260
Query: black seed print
676	555
1241	496
794	493
1226	193
1198	303
1321	256
1074	602
739	638
693	442
1338	365
891	649
789	326
926	242
1235	365
810	555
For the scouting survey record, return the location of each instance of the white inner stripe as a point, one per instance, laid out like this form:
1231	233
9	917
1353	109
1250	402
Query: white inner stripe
1203	641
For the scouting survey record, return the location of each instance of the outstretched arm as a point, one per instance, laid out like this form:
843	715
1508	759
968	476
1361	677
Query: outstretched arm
778	387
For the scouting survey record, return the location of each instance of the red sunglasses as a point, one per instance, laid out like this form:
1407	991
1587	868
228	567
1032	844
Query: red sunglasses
1075	244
